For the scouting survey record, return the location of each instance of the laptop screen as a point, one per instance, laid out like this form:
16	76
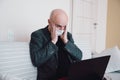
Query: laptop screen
90	69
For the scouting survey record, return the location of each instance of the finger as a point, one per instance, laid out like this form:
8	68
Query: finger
53	27
65	30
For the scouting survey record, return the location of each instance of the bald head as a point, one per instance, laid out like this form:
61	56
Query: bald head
57	12
59	16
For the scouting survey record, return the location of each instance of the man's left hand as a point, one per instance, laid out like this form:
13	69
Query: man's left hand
64	36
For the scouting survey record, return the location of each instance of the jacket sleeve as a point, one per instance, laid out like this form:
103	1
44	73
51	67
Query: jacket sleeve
73	50
40	52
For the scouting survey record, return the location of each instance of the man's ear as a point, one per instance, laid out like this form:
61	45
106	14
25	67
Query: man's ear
48	21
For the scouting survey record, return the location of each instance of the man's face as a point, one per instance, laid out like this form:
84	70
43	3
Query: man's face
59	25
59	19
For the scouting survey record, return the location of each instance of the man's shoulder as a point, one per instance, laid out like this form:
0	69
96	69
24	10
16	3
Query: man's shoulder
69	34
39	31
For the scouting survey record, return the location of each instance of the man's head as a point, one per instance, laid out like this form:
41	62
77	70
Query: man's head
59	19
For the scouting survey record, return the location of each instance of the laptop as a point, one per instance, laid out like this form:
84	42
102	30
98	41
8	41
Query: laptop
90	69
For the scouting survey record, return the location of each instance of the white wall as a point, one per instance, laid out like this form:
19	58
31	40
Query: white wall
19	18
101	27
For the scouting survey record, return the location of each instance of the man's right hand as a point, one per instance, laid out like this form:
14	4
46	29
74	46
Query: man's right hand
54	36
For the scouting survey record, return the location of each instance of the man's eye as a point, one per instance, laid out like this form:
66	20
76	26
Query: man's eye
58	25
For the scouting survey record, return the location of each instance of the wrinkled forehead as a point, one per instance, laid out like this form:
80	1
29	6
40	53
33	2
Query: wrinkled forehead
59	16
60	20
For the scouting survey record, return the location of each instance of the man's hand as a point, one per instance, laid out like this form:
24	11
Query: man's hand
64	36
54	36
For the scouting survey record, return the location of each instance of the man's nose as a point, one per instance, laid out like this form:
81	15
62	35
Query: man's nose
62	28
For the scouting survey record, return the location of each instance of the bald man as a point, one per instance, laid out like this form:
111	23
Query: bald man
52	48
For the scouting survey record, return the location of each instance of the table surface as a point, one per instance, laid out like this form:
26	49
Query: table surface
113	76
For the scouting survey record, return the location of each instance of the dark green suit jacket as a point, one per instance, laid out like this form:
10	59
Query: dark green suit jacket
44	54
